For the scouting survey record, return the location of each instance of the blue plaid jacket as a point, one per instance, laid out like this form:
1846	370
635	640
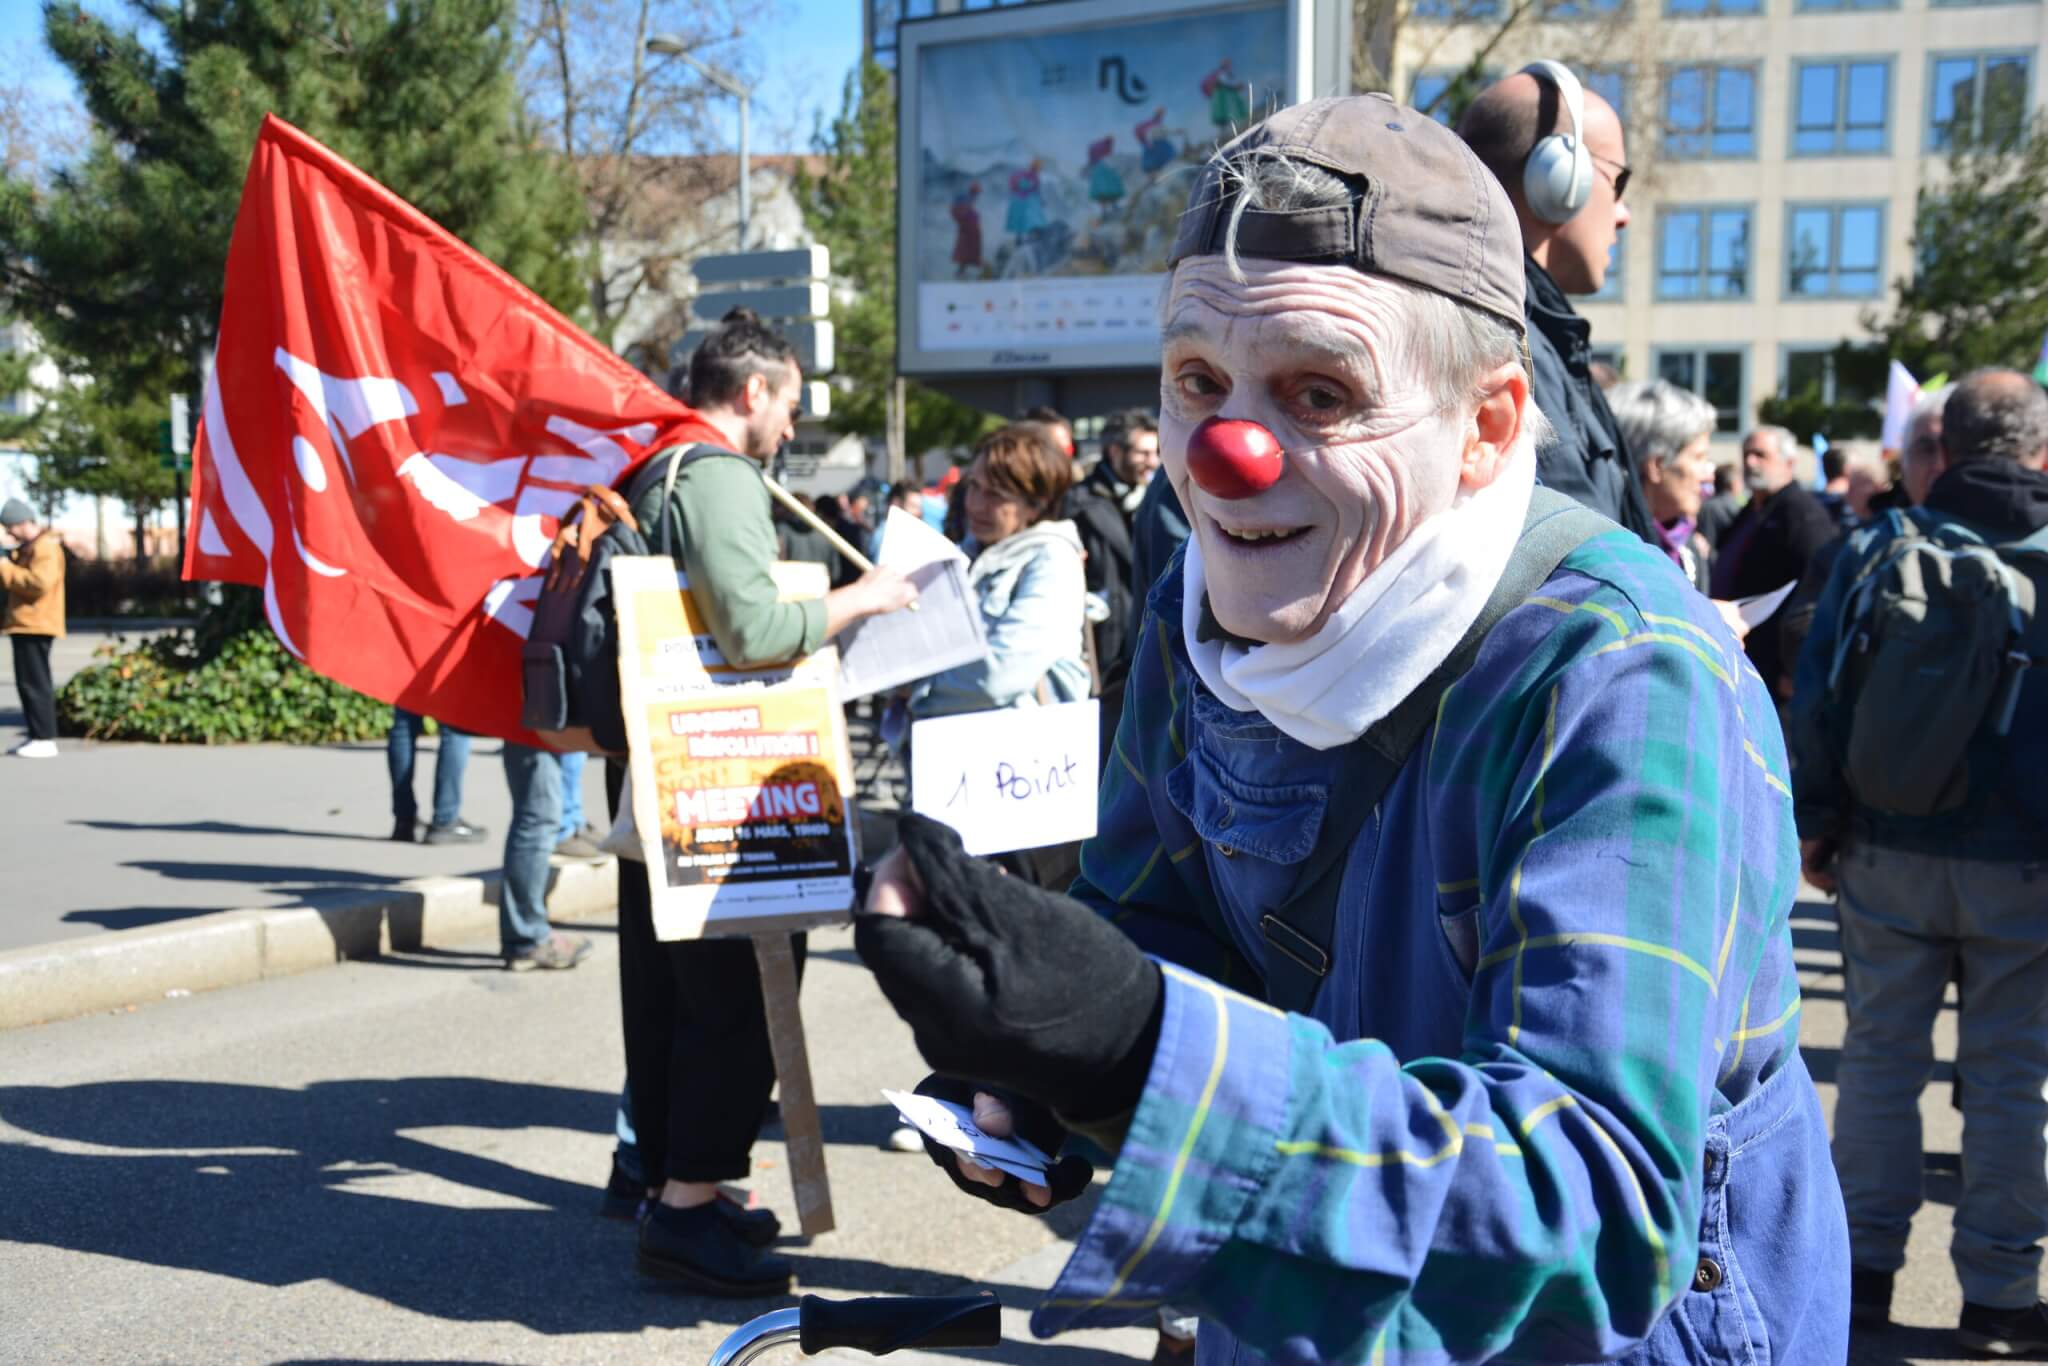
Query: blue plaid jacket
1551	1105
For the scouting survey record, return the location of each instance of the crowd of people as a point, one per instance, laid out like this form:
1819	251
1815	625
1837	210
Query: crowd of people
1429	982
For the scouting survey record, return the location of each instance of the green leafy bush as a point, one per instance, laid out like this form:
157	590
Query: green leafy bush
227	681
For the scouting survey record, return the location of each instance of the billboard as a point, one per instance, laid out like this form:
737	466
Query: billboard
1047	152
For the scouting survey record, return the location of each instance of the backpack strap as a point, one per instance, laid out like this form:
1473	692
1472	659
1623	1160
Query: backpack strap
678	456
1300	933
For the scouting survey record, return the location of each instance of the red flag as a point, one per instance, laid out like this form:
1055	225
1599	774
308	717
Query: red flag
393	426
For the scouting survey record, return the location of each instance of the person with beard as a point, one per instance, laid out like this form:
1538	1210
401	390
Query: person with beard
1102	507
1770	542
1430	974
698	1064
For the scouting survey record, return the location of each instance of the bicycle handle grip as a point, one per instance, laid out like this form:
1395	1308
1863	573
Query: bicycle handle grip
884	1324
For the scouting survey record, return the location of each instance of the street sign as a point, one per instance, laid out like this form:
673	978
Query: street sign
760	267
181	425
813	342
772	302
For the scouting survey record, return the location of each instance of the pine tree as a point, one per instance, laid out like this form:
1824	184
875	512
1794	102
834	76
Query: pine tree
119	262
852	209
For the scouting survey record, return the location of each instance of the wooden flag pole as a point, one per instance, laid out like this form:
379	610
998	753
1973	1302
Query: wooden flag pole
817	523
802	1133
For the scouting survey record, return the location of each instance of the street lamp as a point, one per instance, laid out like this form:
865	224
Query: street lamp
669	45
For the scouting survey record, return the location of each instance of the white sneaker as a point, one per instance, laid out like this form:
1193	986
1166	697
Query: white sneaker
37	749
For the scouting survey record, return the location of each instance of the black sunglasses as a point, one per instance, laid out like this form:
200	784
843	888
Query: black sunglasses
1619	178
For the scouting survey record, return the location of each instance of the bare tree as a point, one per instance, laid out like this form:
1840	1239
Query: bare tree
640	131
39	130
1469	34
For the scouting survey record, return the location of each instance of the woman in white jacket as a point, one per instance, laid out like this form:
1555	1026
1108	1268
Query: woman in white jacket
1026	575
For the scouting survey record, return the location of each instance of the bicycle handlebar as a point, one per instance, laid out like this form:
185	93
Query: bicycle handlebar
884	1324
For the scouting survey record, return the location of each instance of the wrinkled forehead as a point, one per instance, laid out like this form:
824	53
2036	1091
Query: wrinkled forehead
1335	311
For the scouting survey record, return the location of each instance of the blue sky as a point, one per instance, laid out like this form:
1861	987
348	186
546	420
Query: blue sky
803	53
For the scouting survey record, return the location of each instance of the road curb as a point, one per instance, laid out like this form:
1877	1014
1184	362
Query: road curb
120	968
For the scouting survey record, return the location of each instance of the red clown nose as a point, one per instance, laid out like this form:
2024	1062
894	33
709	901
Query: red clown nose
1233	458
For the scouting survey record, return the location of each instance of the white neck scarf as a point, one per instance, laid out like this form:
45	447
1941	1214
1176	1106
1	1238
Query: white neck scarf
1384	639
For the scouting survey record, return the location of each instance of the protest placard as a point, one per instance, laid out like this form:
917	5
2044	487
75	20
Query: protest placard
1014	778
741	779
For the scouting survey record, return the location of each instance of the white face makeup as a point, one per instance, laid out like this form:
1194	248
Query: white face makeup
1322	356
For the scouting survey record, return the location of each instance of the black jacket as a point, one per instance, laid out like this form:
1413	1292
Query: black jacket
1585	459
1096	507
1770	544
2006	816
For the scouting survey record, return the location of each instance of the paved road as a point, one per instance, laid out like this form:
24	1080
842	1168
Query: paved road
397	1160
115	836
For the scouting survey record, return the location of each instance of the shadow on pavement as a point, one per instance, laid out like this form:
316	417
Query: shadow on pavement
277	1186
230	828
1899	1342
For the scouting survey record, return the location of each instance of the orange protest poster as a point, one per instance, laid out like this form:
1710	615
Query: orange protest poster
741	779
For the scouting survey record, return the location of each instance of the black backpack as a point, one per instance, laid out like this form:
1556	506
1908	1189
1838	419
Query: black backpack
1933	645
569	666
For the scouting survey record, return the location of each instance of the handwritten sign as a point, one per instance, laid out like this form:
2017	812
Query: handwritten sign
1016	778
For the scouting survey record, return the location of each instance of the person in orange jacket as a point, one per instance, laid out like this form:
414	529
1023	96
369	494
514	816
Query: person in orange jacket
33	575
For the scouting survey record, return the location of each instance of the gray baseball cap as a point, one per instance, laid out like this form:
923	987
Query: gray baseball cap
1424	209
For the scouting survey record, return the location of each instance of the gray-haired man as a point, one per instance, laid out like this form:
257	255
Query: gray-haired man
1465	782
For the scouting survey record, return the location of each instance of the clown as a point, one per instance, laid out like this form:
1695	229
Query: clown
1455	828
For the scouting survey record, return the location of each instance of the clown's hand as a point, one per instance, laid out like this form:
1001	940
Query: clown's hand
1007	983
1006	1116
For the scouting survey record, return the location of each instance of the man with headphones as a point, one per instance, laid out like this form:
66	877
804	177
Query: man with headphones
1557	149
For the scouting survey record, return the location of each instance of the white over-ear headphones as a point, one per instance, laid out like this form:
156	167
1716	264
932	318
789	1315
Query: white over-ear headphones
1557	179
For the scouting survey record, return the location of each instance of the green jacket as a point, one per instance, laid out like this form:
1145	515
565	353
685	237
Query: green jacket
718	514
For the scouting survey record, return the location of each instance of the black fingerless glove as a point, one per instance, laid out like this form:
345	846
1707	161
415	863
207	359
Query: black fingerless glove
1066	1178
1015	985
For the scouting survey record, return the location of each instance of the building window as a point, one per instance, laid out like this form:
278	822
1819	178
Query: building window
1450	11
1841	107
1611	357
1715	373
1703	253
1834	251
1710	111
1811	368
1686	9
1433	94
1829	5
1564	11
1610	83
1982	95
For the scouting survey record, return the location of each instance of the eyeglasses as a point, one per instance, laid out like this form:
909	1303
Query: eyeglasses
796	411
1620	177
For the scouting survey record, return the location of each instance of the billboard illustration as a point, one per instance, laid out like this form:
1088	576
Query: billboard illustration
1052	168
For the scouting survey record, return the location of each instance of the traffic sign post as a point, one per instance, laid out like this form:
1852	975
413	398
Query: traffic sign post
790	291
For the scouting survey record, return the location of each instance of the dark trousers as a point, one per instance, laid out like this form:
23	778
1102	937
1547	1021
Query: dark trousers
32	678
698	1063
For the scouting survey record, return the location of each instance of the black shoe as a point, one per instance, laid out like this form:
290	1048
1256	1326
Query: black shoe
757	1227
405	832
457	831
2004	1332
698	1248
623	1194
1870	1297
